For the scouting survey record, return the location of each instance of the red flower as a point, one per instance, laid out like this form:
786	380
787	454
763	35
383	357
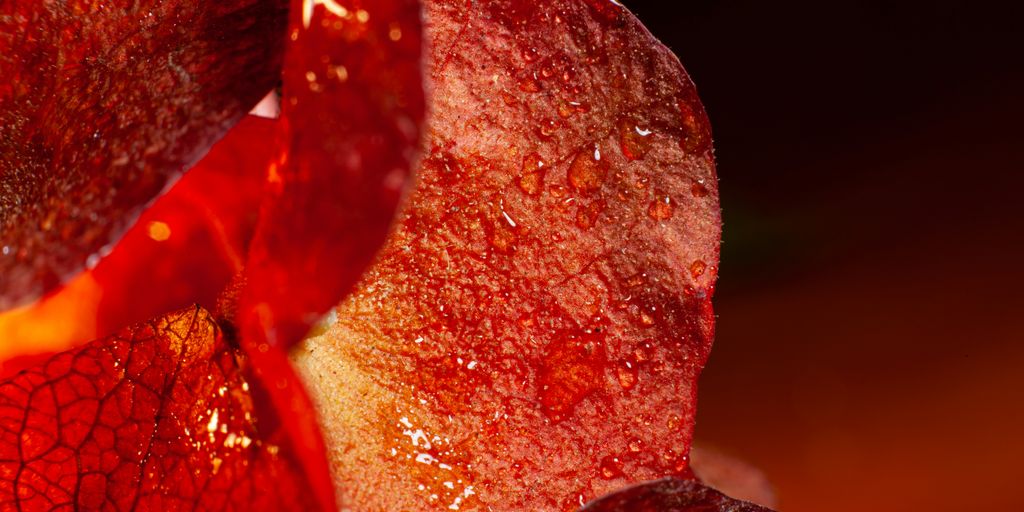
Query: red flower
529	333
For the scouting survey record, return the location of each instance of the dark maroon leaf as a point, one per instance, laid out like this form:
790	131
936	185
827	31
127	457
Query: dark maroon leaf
670	495
102	104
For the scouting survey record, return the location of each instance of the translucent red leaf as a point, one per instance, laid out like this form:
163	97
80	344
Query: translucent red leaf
353	105
194	239
530	336
156	417
352	110
670	495
183	250
102	104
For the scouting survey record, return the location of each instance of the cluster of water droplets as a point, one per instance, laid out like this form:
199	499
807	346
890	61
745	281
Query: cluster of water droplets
433	461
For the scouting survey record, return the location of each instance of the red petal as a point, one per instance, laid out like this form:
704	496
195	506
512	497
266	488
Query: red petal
156	417
193	240
531	334
352	109
670	495
183	250
102	104
353	105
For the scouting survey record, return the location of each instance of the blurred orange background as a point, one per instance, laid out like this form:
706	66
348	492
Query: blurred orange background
870	349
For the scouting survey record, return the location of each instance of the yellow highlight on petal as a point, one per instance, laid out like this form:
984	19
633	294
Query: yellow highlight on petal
159	231
56	323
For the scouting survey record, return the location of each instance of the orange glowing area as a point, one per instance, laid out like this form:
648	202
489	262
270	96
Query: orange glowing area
159	231
53	324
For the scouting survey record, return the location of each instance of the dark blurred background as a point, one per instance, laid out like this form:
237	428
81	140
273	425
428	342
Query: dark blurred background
870	349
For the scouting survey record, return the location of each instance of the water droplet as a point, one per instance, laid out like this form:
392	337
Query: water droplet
339	72
572	369
635	280
694	139
531	181
547	128
608	11
395	32
646	319
698	190
314	85
697	268
503	237
627	375
587	215
508	98
635	140
610	467
644	352
565	111
567	75
635	445
529	84
674	422
661	209
588	170
530	54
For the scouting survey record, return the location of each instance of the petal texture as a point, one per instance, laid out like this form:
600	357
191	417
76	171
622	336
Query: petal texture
531	334
156	417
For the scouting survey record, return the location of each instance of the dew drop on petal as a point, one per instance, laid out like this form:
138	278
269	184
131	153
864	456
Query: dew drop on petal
503	237
644	352
646	319
529	84
572	369
694	140
611	467
697	268
635	445
661	209
627	375
588	170
531	179
530	54
634	139
547	128
587	215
